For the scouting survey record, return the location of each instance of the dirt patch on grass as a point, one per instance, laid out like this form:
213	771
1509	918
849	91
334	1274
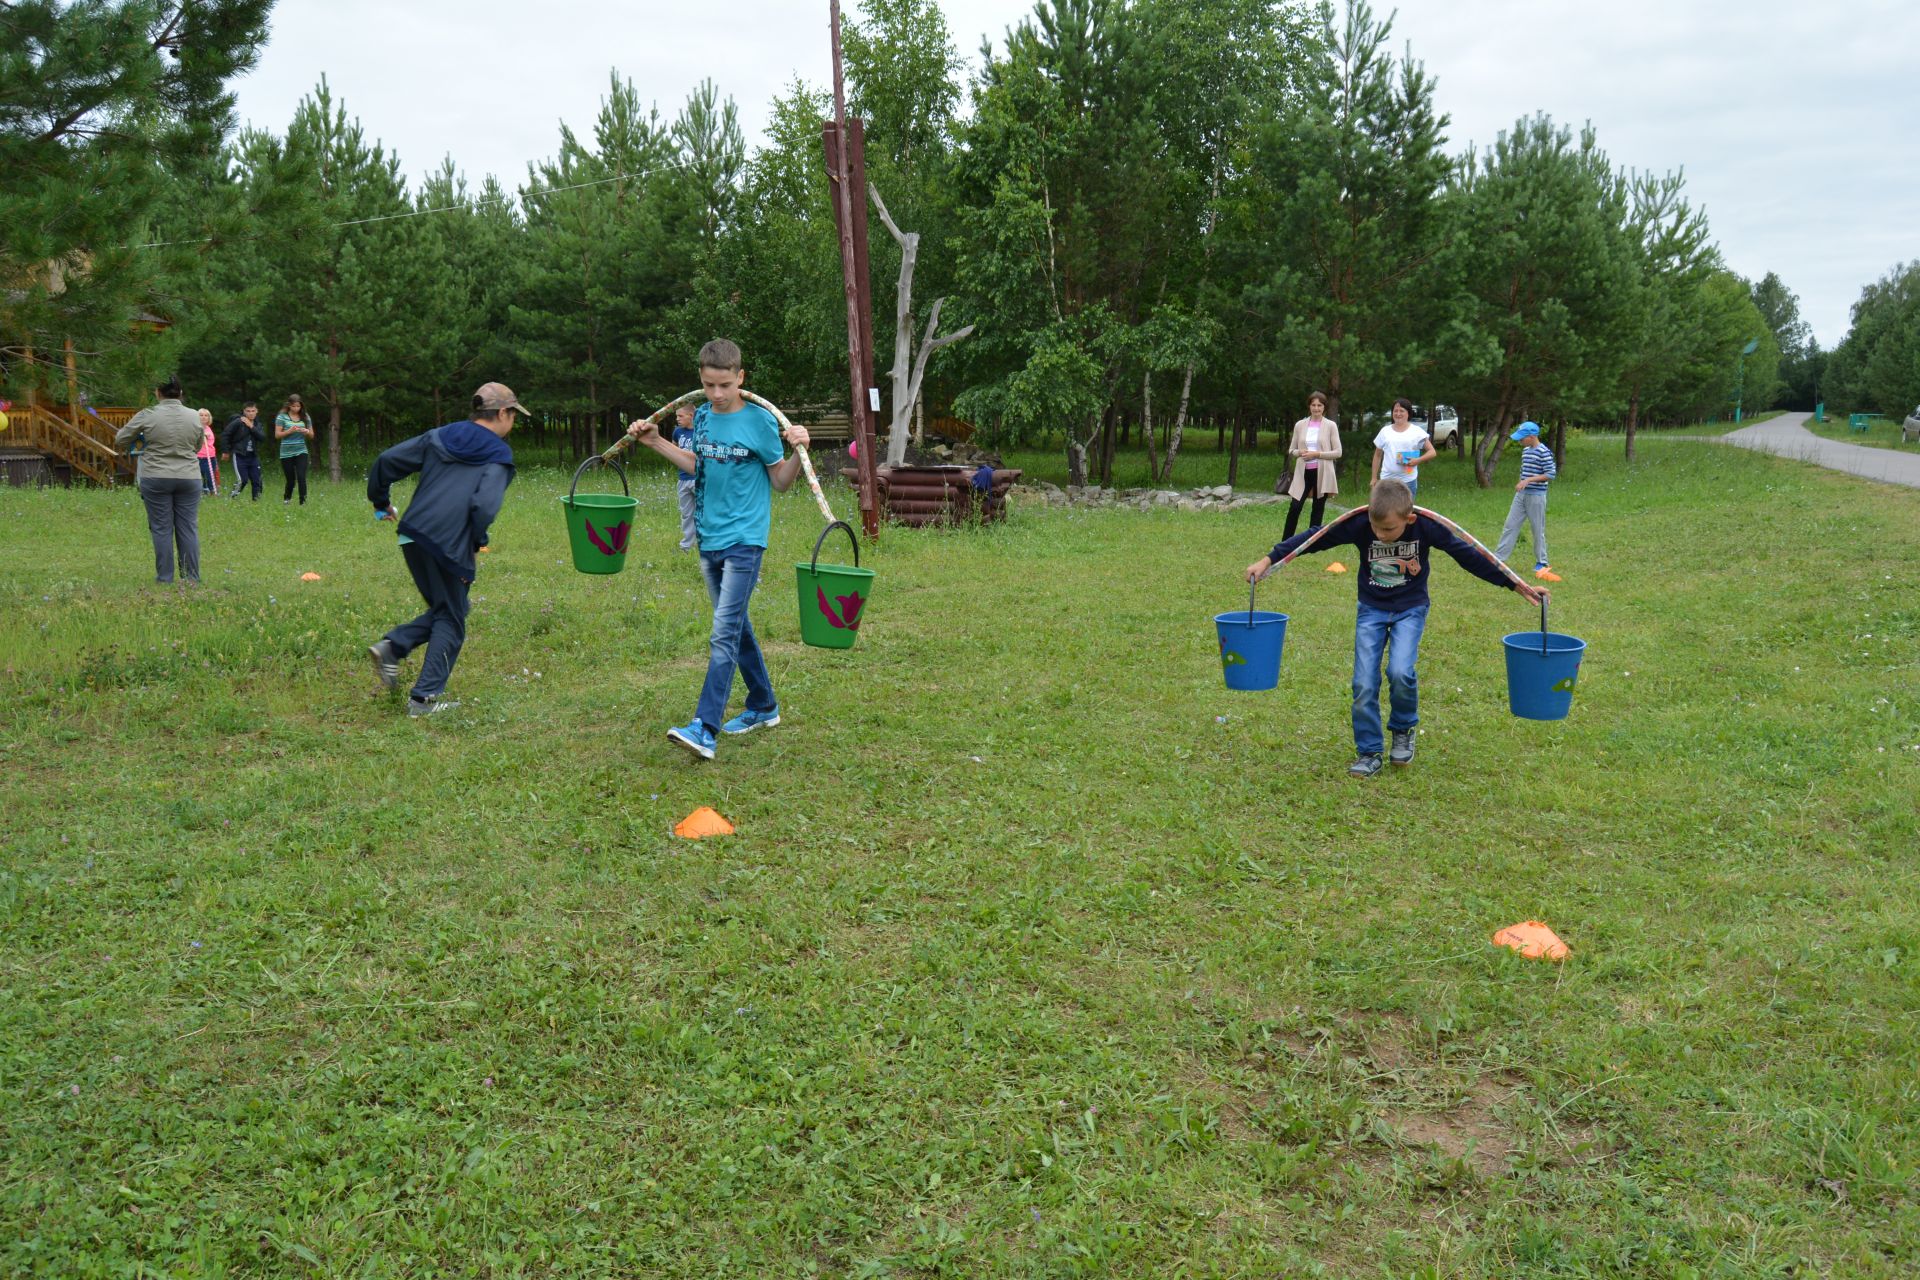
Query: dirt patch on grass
1475	1131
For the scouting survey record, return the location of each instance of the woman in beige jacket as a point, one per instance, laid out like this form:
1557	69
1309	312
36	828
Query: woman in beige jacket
1315	450
169	472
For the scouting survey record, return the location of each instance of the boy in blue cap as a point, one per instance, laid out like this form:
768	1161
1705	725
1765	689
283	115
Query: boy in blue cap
1537	470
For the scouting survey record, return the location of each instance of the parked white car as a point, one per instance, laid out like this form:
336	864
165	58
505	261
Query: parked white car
1910	429
1445	423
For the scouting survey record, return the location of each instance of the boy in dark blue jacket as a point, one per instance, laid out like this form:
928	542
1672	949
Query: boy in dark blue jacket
1394	539
464	468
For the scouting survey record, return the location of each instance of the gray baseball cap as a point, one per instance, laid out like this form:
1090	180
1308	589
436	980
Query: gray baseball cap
495	396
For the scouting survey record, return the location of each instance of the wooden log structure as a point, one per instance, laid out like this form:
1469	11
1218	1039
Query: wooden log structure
921	496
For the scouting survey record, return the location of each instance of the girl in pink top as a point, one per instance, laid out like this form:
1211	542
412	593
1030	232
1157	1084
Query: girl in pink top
209	451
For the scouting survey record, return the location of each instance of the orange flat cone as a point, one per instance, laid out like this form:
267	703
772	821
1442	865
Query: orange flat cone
1532	940
309	577
1336	567
486	551
701	823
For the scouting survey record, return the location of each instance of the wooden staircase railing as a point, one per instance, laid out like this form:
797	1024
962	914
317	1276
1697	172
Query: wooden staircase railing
87	447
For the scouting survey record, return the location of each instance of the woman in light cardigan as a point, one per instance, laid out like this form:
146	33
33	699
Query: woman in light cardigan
1315	449
169	474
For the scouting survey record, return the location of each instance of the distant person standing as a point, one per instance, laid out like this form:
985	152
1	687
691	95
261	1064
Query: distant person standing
292	429
242	440
1400	448
209	455
1315	449
170	435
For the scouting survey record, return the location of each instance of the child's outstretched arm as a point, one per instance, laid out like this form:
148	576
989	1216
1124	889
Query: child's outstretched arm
1478	561
647	432
1337	532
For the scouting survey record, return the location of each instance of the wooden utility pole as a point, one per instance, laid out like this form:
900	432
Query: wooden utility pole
846	137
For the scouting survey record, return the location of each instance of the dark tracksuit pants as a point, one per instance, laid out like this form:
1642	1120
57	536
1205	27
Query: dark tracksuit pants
246	471
442	628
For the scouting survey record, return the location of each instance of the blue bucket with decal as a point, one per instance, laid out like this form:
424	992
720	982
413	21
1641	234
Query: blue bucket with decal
1251	641
1542	669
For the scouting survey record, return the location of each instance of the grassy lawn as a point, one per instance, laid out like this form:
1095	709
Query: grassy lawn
1038	953
1878	435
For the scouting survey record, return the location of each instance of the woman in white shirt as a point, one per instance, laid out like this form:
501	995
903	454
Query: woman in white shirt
1399	449
1315	450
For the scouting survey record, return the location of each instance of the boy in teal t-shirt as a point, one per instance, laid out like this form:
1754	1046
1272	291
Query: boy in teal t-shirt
737	461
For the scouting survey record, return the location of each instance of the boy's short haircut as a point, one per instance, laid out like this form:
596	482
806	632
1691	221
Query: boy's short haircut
720	354
1391	499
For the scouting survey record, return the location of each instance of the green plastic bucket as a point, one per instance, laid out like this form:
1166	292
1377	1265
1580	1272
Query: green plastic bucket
599	524
833	597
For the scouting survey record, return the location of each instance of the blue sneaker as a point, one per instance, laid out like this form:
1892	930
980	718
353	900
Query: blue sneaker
748	721
695	737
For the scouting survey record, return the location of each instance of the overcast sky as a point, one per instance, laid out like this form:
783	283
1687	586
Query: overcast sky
1798	124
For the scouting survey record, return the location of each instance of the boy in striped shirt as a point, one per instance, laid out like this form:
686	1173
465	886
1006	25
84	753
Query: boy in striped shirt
1537	469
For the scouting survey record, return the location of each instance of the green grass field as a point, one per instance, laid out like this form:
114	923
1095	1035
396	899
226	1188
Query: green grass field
1037	953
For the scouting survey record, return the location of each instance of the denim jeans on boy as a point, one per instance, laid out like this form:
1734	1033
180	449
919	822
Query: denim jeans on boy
1399	634
730	576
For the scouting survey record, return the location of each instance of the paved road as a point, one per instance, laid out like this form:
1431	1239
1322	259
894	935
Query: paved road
1788	436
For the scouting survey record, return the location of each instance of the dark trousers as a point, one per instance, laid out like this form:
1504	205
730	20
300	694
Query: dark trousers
295	469
246	471
173	519
442	628
1293	514
209	474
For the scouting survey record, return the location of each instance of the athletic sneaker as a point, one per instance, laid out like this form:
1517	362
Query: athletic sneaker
1402	752
386	667
1365	766
748	721
429	706
695	737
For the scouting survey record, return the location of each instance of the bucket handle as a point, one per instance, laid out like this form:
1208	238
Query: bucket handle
1251	588
1543	626
819	542
605	462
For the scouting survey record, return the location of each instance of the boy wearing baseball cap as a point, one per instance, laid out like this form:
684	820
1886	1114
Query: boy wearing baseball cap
1537	470
464	469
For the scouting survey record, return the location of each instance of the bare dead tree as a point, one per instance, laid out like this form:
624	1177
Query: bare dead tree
909	368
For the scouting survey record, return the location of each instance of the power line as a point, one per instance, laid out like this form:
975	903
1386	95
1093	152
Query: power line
419	213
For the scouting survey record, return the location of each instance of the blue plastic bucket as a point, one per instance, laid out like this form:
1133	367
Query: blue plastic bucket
1542	669
1250	644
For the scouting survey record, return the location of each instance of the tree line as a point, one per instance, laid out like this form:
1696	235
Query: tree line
1154	213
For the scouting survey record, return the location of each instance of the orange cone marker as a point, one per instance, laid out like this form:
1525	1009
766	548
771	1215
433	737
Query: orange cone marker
1532	940
1336	567
309	577
701	823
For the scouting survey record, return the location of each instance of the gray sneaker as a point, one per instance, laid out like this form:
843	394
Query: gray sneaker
429	706
1365	766
1402	752
386	667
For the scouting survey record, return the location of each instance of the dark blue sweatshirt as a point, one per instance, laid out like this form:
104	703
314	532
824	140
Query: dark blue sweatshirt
1382	582
464	472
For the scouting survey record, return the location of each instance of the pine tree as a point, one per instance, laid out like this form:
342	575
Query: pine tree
338	270
98	98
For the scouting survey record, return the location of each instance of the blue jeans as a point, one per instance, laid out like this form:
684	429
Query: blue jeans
1398	634
730	576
